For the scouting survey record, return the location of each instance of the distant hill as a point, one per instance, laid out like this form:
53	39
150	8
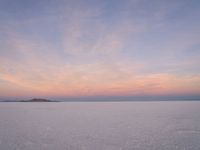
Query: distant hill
37	100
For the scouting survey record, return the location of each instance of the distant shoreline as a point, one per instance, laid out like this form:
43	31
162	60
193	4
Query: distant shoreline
35	101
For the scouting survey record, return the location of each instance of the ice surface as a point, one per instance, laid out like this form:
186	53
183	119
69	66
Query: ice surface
100	126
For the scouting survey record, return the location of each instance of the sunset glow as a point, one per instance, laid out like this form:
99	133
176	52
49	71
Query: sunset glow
67	48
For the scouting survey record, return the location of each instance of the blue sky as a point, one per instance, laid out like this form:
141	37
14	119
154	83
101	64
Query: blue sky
99	47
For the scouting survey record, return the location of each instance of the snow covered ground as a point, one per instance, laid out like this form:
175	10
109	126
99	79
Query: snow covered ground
100	126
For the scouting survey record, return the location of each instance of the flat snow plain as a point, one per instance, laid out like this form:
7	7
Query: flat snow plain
161	125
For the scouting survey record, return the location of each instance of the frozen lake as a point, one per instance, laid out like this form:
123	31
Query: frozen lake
160	125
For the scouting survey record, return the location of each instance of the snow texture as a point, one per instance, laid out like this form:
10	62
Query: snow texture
100	126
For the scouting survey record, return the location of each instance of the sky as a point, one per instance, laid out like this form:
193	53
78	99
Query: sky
77	48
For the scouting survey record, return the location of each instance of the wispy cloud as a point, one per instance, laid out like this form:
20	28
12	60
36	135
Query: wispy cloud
102	48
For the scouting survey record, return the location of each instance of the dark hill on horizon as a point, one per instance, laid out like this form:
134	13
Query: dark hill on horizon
37	100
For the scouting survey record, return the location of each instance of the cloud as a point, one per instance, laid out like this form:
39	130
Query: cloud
87	49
